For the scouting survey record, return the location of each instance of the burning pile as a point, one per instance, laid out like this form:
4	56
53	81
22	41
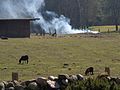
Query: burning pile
35	8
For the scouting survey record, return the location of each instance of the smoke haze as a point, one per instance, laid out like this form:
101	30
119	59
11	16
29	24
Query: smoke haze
35	9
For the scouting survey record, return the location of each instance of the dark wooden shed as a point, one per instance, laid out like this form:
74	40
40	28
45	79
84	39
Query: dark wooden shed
15	28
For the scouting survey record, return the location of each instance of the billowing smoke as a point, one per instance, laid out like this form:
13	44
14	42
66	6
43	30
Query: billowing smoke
35	9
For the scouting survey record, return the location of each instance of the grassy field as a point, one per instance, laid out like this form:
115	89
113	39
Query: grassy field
103	28
48	55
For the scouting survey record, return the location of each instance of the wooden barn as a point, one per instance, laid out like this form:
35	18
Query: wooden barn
15	28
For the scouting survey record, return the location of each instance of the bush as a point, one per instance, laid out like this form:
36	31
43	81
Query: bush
94	84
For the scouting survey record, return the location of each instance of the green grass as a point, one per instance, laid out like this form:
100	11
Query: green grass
103	28
47	55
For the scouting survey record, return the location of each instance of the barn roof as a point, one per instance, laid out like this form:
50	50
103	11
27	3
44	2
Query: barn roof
9	19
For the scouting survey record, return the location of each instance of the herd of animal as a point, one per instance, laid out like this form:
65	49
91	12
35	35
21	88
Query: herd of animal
51	83
88	71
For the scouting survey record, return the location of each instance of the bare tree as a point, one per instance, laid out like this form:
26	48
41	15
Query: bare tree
112	8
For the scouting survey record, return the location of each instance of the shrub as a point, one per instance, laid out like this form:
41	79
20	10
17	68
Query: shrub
94	84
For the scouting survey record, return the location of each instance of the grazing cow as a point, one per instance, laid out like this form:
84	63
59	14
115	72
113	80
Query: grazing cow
24	59
89	71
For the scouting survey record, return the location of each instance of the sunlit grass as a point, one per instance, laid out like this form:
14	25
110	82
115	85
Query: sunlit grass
48	55
103	28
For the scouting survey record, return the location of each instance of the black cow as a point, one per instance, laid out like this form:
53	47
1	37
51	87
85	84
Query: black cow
24	59
89	70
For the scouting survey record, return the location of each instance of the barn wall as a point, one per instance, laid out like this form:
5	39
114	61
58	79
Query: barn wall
15	28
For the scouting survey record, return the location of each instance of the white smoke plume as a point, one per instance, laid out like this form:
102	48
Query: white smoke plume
33	9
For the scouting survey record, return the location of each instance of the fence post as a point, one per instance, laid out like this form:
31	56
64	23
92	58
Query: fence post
99	30
119	31
107	70
14	76
108	31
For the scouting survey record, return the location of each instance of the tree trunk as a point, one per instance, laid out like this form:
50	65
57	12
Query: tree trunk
79	11
116	27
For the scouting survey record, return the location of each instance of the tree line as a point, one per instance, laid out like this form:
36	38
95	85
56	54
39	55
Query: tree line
85	13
